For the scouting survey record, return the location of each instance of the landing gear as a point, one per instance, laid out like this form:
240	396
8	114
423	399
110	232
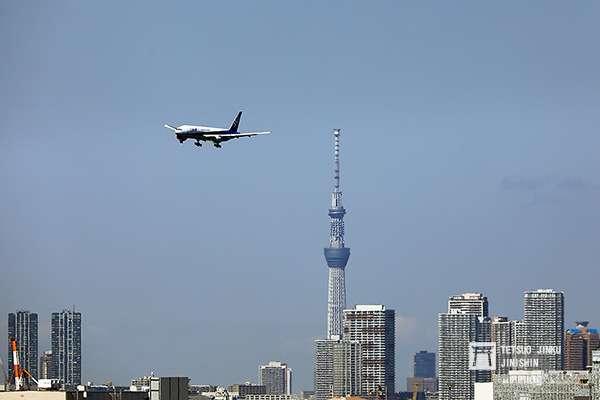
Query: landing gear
197	143
217	145
181	140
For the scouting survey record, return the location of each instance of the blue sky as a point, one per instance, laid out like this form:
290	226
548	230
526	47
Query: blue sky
469	163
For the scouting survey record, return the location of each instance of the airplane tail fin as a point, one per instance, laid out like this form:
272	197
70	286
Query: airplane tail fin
170	127
236	122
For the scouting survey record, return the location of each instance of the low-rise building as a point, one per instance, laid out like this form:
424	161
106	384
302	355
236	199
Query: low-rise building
271	397
421	384
241	390
540	385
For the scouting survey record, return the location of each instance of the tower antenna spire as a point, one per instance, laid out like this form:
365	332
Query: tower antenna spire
336	136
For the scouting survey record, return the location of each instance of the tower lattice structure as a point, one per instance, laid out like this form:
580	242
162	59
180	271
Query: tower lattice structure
337	253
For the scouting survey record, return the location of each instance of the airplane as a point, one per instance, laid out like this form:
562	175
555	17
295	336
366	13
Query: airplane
210	134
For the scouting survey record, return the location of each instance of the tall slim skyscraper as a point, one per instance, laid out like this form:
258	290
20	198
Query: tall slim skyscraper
373	326
276	377
456	330
66	346
336	254
23	326
466	321
544	318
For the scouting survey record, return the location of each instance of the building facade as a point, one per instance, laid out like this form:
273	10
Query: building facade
337	368
470	303
466	321
168	388
323	372
270	397
503	334
276	377
546	385
46	371
373	326
544	319
66	346
580	342
23	326
417	384
456	329
424	364
346	368
241	390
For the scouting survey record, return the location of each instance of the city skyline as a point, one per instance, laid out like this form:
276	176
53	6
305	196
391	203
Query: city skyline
469	159
469	303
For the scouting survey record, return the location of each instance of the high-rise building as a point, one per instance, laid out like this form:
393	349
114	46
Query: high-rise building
456	330
337	253
337	368
347	364
323	373
466	321
23	326
503	335
66	346
484	334
544	318
373	326
276	377
580	342
46	371
424	364
470	303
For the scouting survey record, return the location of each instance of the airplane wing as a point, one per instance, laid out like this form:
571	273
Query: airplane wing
170	127
236	135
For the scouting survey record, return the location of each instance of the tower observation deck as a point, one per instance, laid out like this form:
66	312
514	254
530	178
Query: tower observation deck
336	254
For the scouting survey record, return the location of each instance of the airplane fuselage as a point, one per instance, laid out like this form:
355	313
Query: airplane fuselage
198	133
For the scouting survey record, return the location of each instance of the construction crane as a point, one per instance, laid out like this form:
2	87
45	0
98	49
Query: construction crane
17	367
31	376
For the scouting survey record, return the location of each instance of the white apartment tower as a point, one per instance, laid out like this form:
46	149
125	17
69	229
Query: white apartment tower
466	321
276	377
470	303
373	326
337	368
456	329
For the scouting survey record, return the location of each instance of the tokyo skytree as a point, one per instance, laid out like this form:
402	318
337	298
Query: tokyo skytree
336	254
